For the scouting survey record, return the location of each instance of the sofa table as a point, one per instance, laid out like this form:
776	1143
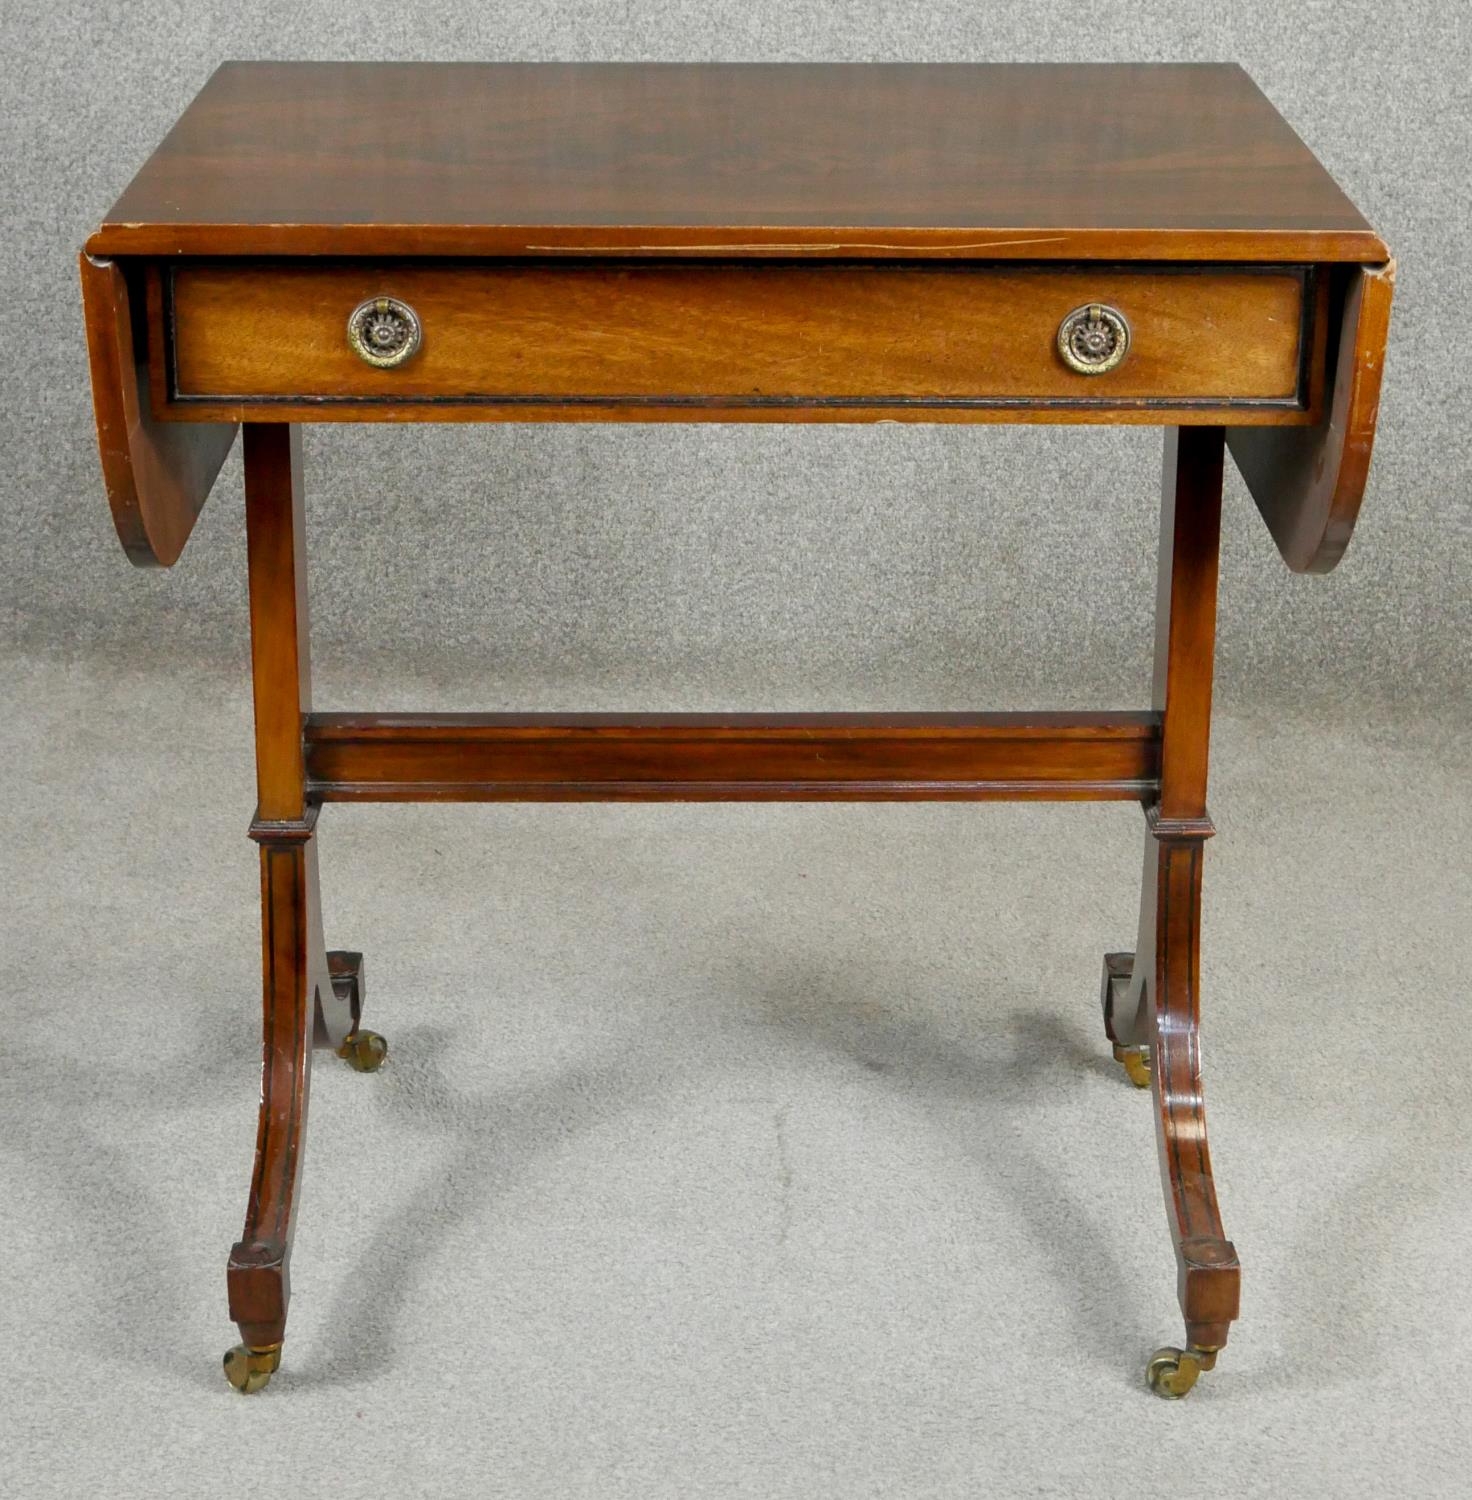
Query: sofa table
446	242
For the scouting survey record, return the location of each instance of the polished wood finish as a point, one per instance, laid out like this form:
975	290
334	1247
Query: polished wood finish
1109	161
1309	486
605	191
1185	616
1161	1007
157	476
246	335
309	998
258	1276
737	243
725	757
280	639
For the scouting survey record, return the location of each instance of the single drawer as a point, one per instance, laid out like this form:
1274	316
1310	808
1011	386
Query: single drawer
752	335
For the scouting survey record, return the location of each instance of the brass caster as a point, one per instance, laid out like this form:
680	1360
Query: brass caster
1172	1372
1136	1062
364	1051
249	1370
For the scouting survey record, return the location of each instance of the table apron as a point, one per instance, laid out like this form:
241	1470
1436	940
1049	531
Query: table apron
267	341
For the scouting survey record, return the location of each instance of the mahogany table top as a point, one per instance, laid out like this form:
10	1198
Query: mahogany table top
997	161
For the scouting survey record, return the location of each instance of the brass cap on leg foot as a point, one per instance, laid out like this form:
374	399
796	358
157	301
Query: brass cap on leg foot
250	1370
1172	1372
1136	1061
364	1051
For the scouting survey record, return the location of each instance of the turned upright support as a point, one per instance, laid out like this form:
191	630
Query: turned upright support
1152	1003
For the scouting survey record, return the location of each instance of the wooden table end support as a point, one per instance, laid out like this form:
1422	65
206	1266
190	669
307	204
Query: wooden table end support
310	997
1152	1006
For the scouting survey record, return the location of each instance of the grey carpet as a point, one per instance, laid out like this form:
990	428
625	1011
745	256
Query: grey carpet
734	1151
767	1151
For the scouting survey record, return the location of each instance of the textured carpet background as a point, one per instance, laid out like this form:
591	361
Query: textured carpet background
734	1151
727	1151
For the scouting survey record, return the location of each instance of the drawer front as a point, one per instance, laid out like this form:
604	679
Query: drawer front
755	335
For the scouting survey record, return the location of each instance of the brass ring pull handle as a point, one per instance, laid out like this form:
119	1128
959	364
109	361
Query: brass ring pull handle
1092	340
384	332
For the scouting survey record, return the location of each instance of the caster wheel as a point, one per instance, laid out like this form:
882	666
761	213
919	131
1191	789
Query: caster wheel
1136	1061
364	1051
1172	1373
250	1370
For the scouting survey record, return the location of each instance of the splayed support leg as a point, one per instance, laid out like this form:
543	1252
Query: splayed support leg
310	997
1152	997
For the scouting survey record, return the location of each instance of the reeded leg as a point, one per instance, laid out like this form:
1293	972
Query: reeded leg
295	972
1162	1005
311	997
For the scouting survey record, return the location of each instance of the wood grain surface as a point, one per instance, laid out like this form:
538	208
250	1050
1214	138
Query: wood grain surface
768	334
1309	487
1011	160
1162	1007
157	476
728	757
